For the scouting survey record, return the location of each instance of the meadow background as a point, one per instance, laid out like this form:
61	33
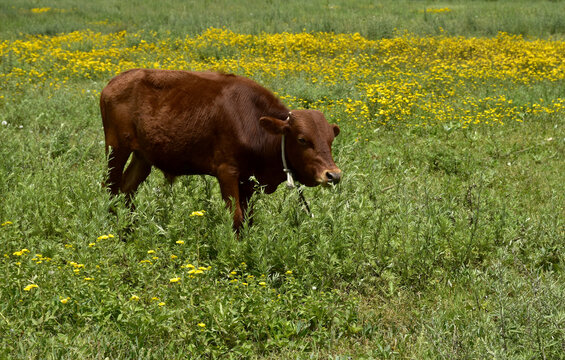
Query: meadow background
445	238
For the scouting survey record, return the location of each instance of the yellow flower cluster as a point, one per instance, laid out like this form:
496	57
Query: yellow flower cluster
21	252
40	258
193	270
40	10
411	80
105	237
30	286
197	213
239	277
438	11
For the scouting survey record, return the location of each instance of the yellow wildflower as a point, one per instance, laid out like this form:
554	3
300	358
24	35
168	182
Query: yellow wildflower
198	213
40	10
180	242
30	286
65	300
174	280
437	11
134	298
21	252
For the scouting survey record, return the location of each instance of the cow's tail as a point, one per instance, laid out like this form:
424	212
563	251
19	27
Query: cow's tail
103	114
103	106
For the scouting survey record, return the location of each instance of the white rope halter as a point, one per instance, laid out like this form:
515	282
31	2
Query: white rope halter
290	179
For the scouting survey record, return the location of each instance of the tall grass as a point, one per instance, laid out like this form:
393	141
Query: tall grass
442	241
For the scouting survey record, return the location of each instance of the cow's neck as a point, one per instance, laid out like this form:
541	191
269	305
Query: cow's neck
270	171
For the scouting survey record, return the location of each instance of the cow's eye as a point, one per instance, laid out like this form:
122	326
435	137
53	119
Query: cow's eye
302	141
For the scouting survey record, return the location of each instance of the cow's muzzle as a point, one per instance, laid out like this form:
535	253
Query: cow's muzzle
331	177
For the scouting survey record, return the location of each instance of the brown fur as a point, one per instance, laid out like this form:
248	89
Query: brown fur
210	123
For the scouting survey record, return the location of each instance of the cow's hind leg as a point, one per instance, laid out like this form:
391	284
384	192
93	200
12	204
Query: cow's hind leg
116	162
137	171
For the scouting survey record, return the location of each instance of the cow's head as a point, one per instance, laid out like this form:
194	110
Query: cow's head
308	138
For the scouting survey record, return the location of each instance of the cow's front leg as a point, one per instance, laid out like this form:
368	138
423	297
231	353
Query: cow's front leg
228	177
246	191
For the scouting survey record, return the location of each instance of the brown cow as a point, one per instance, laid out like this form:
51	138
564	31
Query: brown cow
223	125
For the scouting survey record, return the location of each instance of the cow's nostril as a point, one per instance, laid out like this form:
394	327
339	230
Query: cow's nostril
333	177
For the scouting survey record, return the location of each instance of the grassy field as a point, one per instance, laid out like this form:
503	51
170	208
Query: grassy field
444	240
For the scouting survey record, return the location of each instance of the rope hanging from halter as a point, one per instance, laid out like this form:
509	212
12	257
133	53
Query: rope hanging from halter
289	177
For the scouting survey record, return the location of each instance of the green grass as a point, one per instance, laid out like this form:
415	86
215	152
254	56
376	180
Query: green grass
440	242
371	19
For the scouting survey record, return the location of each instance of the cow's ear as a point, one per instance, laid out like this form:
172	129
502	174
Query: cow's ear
274	125
336	129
